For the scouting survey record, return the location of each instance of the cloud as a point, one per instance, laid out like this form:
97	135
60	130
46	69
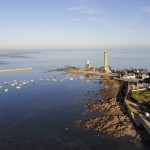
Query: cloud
136	19
146	9
125	30
53	13
76	20
83	10
89	11
80	8
102	20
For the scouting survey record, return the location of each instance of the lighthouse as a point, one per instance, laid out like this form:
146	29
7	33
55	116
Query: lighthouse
106	67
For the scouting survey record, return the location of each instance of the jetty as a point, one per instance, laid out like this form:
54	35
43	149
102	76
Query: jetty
15	70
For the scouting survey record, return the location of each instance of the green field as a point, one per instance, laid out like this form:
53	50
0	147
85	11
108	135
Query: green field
141	96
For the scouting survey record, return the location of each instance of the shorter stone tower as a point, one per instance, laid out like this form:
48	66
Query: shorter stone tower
87	65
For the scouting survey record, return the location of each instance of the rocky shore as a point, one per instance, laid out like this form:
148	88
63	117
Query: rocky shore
114	119
83	71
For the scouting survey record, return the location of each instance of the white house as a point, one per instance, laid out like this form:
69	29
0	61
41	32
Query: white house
144	76
129	76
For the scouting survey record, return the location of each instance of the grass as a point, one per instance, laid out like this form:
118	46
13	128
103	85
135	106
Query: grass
141	96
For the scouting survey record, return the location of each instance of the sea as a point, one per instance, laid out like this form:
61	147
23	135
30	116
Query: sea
39	107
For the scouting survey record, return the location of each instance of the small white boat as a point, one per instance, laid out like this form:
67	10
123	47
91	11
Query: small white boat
71	78
17	87
0	86
6	90
12	84
54	80
6	83
81	77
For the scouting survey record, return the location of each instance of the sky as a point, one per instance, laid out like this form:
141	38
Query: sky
49	24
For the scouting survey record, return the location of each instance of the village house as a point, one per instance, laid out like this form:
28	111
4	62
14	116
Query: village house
129	76
144	76
146	82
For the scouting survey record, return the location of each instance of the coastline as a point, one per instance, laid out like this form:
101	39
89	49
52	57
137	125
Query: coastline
115	119
83	71
50	108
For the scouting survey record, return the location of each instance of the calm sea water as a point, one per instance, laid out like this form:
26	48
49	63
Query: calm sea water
40	113
43	59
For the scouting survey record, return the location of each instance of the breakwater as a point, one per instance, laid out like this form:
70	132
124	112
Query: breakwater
15	70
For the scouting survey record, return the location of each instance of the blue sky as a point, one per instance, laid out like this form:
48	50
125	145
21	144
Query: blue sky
29	24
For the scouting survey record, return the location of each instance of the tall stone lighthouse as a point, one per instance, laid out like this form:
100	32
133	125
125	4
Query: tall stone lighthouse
106	67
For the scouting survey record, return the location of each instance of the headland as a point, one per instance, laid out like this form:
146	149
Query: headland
115	109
